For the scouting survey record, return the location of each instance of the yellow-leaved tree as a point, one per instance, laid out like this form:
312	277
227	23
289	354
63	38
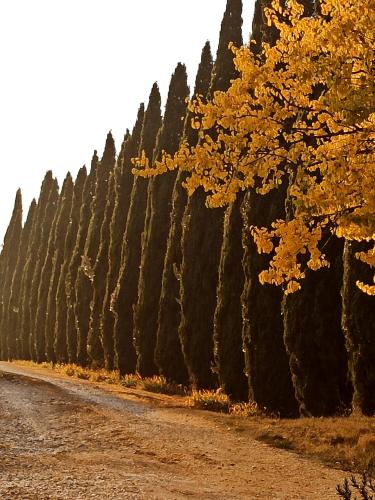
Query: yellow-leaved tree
302	109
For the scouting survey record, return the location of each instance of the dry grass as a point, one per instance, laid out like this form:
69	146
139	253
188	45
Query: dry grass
160	385
244	410
346	442
209	400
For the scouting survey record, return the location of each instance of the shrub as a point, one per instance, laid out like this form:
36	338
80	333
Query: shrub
365	487
209	400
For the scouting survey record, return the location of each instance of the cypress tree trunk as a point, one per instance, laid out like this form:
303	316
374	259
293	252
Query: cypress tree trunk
26	318
16	344
228	351
125	294
77	351
71	221
358	321
93	285
168	352
9	257
41	277
123	187
157	225
202	237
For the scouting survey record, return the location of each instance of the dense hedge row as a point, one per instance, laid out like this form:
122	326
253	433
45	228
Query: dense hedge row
128	273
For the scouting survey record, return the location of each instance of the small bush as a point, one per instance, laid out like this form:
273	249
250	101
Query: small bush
365	487
130	381
160	385
209	400
244	409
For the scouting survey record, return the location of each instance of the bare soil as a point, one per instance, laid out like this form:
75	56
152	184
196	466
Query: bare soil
69	439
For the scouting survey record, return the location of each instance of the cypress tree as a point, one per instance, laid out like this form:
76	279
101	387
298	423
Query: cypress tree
76	338
96	275
312	331
168	352
25	321
157	225
315	341
60	334
15	344
266	360
202	236
41	276
228	351
99	281
56	346
358	324
8	261
44	332
125	294
123	187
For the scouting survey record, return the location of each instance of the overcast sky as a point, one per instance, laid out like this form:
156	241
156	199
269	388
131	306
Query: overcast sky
73	69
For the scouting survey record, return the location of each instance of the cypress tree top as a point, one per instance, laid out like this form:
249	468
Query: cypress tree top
202	84
151	122
168	138
231	31
204	71
15	225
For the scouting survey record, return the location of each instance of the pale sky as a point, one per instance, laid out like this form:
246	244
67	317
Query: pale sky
71	70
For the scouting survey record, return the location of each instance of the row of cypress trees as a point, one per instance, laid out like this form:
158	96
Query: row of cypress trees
129	273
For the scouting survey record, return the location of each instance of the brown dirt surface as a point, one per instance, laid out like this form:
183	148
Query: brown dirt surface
70	439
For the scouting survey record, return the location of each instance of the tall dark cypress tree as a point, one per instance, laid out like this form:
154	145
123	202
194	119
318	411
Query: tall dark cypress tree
168	352
312	330
228	351
15	341
315	341
266	360
202	236
56	348
125	294
60	334
102	266
358	324
8	261
96	275
41	275
76	338
157	225
123	187
43	330
101	352
27	314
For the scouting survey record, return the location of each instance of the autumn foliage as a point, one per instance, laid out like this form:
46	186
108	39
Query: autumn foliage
302	109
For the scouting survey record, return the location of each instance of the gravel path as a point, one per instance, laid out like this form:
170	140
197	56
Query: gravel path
68	439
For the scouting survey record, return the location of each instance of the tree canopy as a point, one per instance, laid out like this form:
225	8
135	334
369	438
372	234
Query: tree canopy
302	109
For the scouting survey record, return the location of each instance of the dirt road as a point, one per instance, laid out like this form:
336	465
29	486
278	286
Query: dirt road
68	439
